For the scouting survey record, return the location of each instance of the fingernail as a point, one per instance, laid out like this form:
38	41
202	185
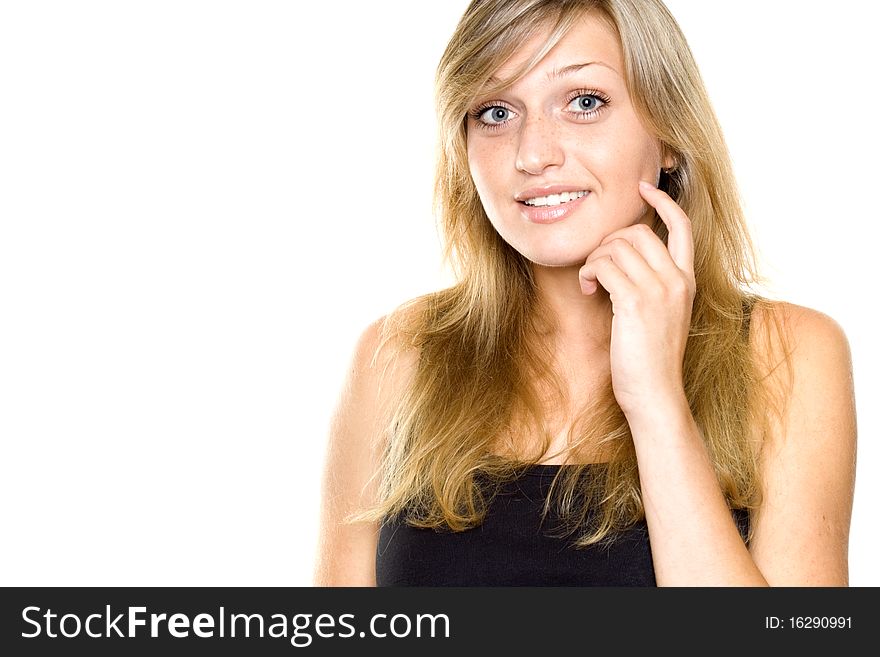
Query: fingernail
646	185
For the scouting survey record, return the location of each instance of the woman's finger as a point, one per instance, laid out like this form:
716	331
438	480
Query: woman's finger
629	260
681	240
648	244
603	271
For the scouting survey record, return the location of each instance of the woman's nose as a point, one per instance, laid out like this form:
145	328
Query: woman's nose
539	146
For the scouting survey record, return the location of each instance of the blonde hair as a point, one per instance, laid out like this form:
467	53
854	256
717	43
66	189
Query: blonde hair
481	363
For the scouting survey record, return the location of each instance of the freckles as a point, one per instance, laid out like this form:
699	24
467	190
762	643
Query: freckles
598	151
478	152
488	167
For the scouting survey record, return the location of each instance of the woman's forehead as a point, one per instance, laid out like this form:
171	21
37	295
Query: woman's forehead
589	41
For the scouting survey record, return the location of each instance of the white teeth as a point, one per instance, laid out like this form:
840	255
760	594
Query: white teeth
555	199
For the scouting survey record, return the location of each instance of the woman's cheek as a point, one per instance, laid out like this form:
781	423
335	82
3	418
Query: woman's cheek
619	208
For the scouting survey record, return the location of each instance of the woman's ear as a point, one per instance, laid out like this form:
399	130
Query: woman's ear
670	174
668	157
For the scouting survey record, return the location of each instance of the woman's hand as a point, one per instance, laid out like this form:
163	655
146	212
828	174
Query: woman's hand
652	292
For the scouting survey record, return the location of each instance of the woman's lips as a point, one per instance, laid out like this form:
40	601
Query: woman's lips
550	214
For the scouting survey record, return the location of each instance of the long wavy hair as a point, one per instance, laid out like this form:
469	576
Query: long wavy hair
482	377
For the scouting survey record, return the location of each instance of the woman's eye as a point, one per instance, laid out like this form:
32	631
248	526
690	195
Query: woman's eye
586	103
494	115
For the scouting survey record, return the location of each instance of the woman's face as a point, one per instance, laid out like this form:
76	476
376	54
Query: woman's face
567	130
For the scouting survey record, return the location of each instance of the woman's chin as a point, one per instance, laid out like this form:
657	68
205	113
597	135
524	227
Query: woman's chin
557	258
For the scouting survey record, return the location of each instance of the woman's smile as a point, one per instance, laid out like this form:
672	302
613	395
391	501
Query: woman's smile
550	208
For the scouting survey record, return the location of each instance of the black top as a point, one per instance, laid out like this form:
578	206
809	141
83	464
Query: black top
512	548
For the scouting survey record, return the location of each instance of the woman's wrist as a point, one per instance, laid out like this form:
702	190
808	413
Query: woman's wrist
664	413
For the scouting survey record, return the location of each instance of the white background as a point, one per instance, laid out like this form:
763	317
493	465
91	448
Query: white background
204	203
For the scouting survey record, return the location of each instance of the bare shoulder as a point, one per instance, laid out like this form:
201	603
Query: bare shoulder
808	459
384	357
779	329
380	367
377	374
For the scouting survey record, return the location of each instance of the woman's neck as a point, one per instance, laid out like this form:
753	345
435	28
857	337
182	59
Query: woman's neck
583	321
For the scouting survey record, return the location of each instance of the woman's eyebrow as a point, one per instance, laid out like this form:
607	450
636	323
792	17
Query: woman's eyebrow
573	68
555	74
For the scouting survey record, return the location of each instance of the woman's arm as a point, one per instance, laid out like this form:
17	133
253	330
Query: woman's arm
801	530
808	468
346	554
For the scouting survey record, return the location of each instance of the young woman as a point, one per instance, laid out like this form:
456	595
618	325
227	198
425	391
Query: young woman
599	400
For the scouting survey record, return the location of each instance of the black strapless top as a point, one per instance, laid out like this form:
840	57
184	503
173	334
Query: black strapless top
512	548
